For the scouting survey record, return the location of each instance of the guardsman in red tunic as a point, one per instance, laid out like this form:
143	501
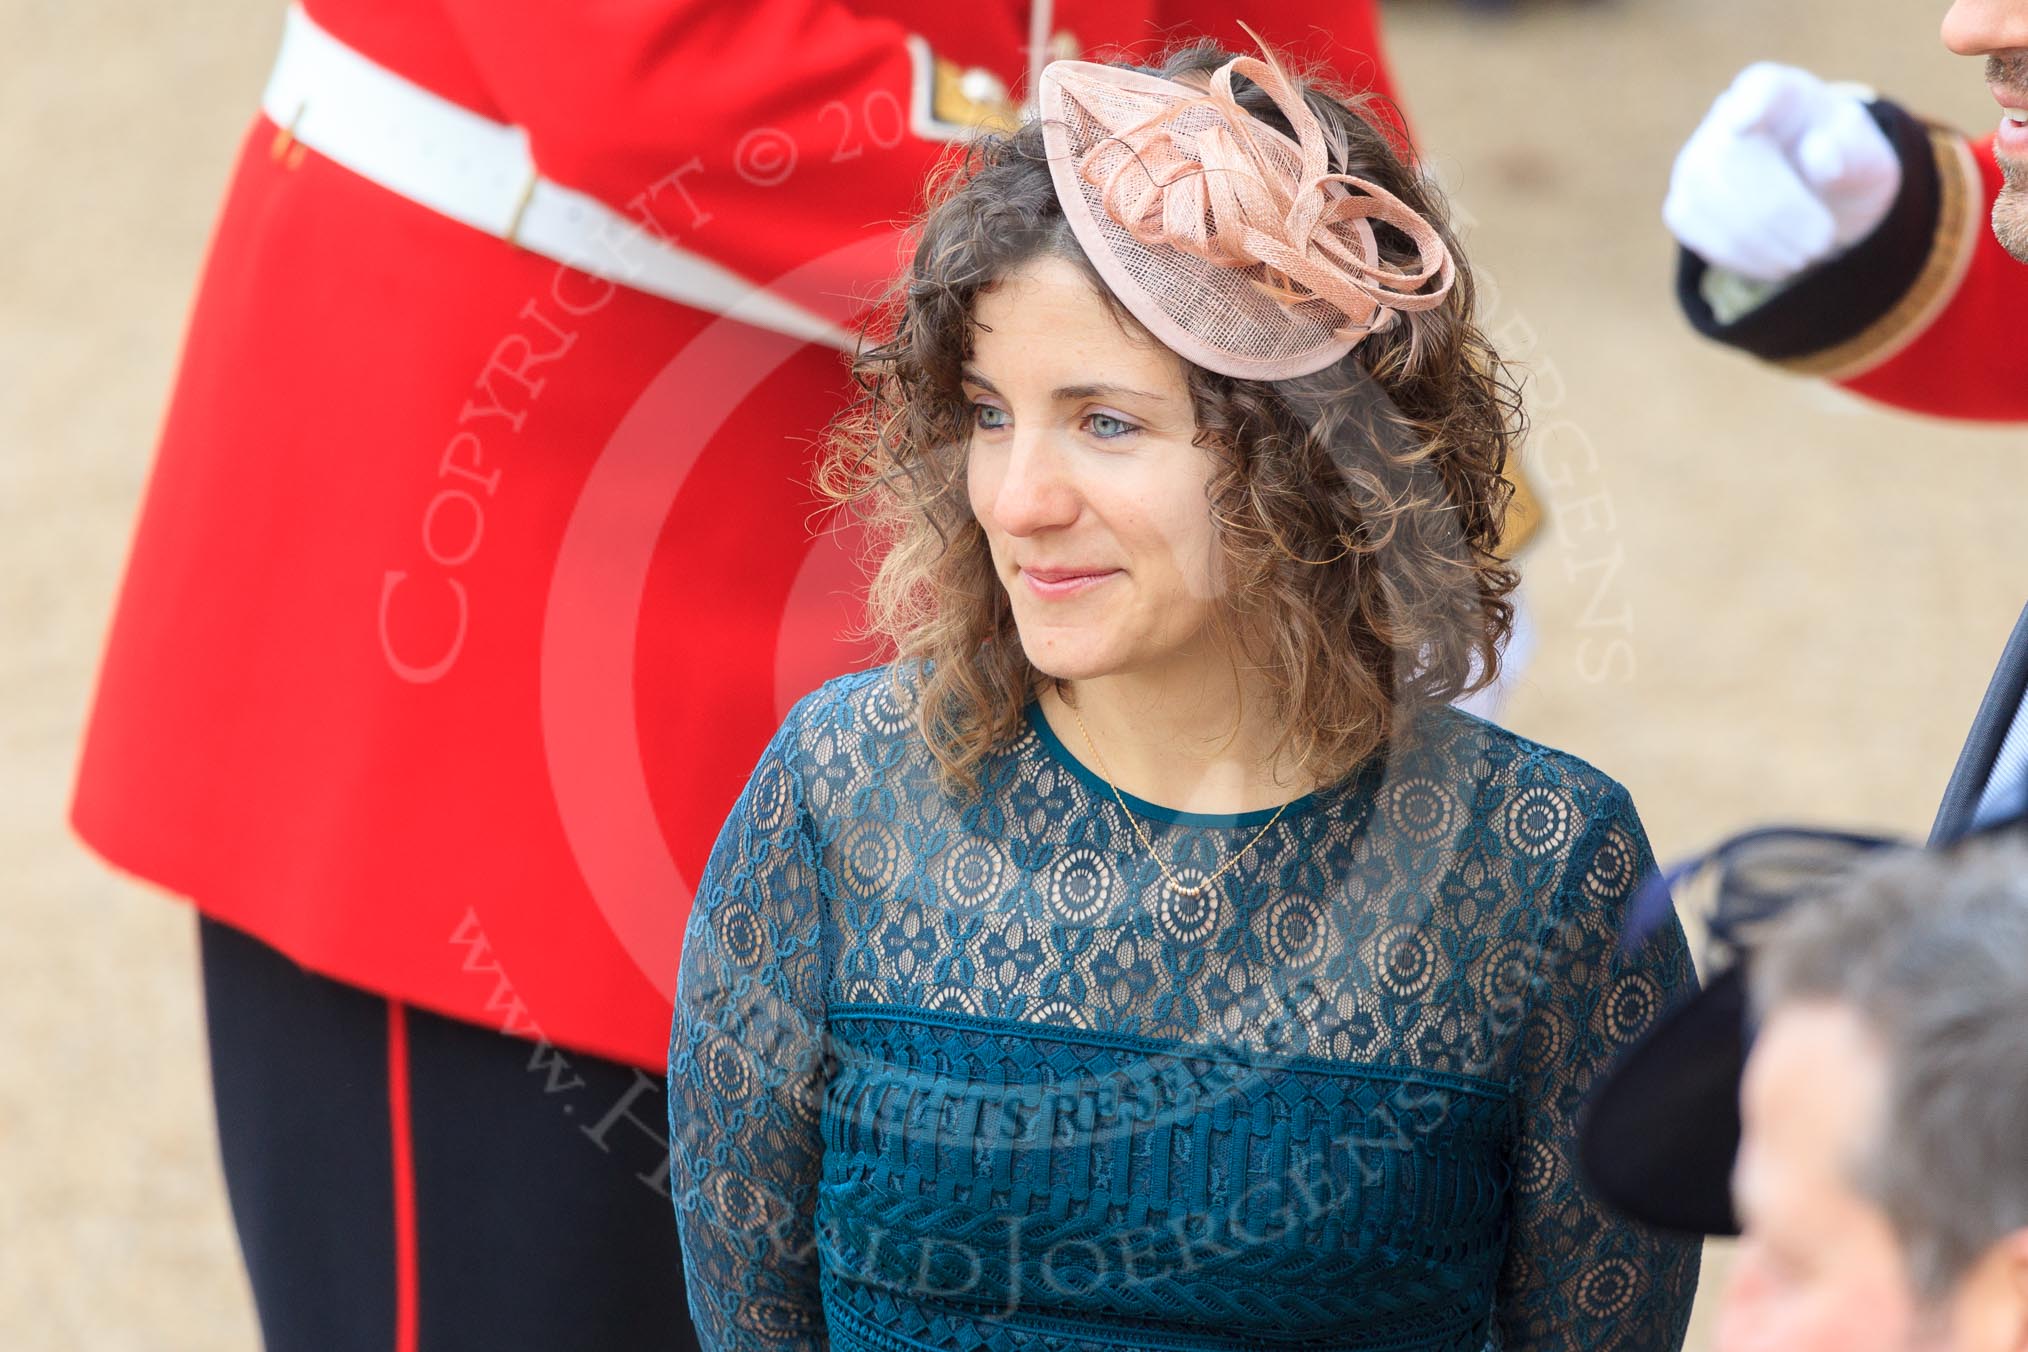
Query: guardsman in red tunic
476	567
1834	233
1830	231
1838	235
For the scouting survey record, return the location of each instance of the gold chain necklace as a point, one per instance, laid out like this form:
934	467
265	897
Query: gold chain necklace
1178	888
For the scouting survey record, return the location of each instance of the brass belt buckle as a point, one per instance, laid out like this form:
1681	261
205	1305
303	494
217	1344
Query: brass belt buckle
286	149
521	208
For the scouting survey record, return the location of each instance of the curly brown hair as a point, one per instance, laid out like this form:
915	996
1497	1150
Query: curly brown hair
1359	509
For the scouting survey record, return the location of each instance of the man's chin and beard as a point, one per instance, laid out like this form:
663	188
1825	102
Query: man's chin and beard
2010	208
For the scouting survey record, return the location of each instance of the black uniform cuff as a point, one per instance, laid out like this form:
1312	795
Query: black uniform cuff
1836	301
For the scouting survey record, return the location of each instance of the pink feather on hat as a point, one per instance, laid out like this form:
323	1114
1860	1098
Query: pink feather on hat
1232	244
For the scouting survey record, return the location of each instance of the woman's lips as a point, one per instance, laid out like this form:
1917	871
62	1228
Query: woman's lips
1054	583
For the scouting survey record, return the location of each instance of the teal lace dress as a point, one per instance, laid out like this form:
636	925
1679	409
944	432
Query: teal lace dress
967	1075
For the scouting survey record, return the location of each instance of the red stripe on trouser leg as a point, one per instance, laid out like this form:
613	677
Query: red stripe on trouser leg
404	1179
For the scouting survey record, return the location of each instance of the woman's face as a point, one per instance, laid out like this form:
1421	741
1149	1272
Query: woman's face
1082	472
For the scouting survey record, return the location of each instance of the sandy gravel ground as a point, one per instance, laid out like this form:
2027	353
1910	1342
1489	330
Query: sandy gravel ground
1806	593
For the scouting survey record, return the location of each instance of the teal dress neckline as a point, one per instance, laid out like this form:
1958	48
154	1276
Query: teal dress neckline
1141	807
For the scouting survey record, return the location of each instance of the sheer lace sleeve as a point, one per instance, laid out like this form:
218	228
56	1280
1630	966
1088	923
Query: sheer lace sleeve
1577	1276
746	1070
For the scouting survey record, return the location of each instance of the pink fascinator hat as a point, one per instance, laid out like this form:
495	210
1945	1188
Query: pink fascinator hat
1232	244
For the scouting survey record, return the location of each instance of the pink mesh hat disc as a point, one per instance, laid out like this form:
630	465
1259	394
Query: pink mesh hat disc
1232	244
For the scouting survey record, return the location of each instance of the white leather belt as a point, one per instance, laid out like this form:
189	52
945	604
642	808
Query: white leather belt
472	169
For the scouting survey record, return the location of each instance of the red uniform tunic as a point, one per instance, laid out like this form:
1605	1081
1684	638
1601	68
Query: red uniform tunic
1965	359
467	589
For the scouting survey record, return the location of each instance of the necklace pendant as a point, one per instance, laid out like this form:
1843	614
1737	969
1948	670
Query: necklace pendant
1192	892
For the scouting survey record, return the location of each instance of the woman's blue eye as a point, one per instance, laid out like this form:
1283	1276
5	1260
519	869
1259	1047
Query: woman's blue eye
1121	426
979	412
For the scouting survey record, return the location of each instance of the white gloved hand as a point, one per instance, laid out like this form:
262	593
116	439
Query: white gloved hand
1783	172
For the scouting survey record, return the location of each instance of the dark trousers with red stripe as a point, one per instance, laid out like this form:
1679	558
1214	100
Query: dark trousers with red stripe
403	1182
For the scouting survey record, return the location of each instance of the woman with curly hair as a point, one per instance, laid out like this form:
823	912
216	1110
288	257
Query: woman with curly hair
1150	956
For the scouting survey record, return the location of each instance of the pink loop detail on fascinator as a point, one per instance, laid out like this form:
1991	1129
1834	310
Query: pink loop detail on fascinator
1233	244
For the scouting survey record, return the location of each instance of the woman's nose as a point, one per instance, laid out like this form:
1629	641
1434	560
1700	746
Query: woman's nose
1036	490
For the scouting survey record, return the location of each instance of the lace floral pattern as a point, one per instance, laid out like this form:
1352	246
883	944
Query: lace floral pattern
967	1075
